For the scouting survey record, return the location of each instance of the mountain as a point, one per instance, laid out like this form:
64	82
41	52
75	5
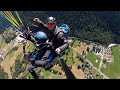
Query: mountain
97	26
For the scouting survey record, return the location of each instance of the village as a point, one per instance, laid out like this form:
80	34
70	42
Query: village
13	43
103	54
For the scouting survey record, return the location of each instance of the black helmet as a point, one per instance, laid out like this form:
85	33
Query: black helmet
51	19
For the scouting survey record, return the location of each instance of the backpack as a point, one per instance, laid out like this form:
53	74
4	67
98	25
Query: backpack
65	28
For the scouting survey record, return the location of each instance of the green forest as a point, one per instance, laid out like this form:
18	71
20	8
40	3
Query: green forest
97	26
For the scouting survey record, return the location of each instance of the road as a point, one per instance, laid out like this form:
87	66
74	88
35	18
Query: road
100	65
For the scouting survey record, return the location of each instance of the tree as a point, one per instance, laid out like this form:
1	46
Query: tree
93	49
87	49
83	53
3	74
15	48
18	68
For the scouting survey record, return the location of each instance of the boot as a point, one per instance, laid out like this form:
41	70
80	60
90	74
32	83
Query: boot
34	74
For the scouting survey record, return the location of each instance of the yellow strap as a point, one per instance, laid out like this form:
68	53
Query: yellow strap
11	17
18	17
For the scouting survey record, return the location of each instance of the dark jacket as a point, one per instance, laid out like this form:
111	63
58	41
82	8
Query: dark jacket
57	38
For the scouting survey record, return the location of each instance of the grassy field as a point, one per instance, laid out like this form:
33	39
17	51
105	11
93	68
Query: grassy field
92	58
2	43
80	56
57	77
75	43
20	57
11	54
69	62
0	61
68	57
30	48
57	68
113	70
46	73
29	76
100	77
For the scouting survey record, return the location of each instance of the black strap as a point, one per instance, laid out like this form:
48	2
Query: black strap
67	71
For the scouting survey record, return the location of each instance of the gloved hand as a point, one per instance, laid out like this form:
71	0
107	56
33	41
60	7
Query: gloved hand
50	43
28	36
37	20
32	57
57	51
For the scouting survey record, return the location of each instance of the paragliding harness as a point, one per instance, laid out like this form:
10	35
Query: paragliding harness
65	29
36	55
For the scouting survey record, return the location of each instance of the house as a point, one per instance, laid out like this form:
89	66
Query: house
111	45
106	54
1	57
19	39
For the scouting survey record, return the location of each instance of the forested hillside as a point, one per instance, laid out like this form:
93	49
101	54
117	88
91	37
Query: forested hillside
96	26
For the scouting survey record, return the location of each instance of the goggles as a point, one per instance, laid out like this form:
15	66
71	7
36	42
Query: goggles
50	23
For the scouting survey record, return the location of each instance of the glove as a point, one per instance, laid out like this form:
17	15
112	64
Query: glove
32	57
50	43
37	20
57	51
27	36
